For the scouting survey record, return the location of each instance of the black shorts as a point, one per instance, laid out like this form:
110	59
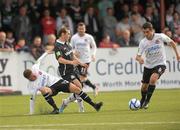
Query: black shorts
60	86
82	70
70	77
148	72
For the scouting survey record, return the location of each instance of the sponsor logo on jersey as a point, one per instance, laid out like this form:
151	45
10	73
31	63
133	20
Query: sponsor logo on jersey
43	81
64	82
72	76
159	70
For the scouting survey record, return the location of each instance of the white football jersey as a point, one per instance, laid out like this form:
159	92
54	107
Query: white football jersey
43	79
154	50
85	46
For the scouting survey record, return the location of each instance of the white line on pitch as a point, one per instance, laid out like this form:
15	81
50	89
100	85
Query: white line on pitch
37	129
88	124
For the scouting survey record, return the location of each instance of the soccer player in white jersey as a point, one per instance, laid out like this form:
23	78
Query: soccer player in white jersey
50	85
84	47
155	60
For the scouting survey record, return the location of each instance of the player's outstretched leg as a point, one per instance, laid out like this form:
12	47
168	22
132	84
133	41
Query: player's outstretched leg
65	102
87	99
70	99
80	103
89	83
84	96
50	100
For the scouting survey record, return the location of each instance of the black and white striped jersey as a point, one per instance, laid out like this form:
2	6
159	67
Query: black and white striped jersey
65	51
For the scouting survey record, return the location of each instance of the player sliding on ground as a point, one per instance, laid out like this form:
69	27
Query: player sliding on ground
49	86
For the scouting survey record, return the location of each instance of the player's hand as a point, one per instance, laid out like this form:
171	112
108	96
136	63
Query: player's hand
93	58
77	54
84	65
141	61
75	62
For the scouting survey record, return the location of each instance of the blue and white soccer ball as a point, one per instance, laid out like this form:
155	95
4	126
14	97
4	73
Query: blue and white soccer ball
134	104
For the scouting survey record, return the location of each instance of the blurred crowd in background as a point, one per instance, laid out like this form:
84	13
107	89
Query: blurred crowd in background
32	25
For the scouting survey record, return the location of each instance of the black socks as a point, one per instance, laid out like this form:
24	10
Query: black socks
150	91
88	82
143	95
50	100
86	98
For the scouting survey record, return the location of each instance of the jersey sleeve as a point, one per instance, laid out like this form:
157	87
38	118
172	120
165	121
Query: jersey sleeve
38	62
58	52
140	48
35	68
72	43
165	38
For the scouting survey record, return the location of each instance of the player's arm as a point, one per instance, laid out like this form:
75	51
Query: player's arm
33	92
32	104
61	59
93	48
173	45
38	62
140	59
79	62
139	54
65	61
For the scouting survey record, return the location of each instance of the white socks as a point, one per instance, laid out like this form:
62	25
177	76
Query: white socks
74	97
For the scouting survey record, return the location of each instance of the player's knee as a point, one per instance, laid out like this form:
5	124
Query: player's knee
44	90
75	89
53	92
153	80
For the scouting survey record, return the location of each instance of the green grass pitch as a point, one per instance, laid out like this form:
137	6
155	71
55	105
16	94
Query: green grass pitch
163	113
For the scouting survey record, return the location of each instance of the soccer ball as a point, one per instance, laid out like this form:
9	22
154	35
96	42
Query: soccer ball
134	104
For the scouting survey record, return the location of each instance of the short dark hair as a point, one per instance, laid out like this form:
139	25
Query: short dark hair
27	73
81	24
63	30
147	25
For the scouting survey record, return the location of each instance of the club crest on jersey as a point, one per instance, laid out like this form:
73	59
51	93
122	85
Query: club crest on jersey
58	53
72	76
40	73
64	82
159	70
85	40
157	41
